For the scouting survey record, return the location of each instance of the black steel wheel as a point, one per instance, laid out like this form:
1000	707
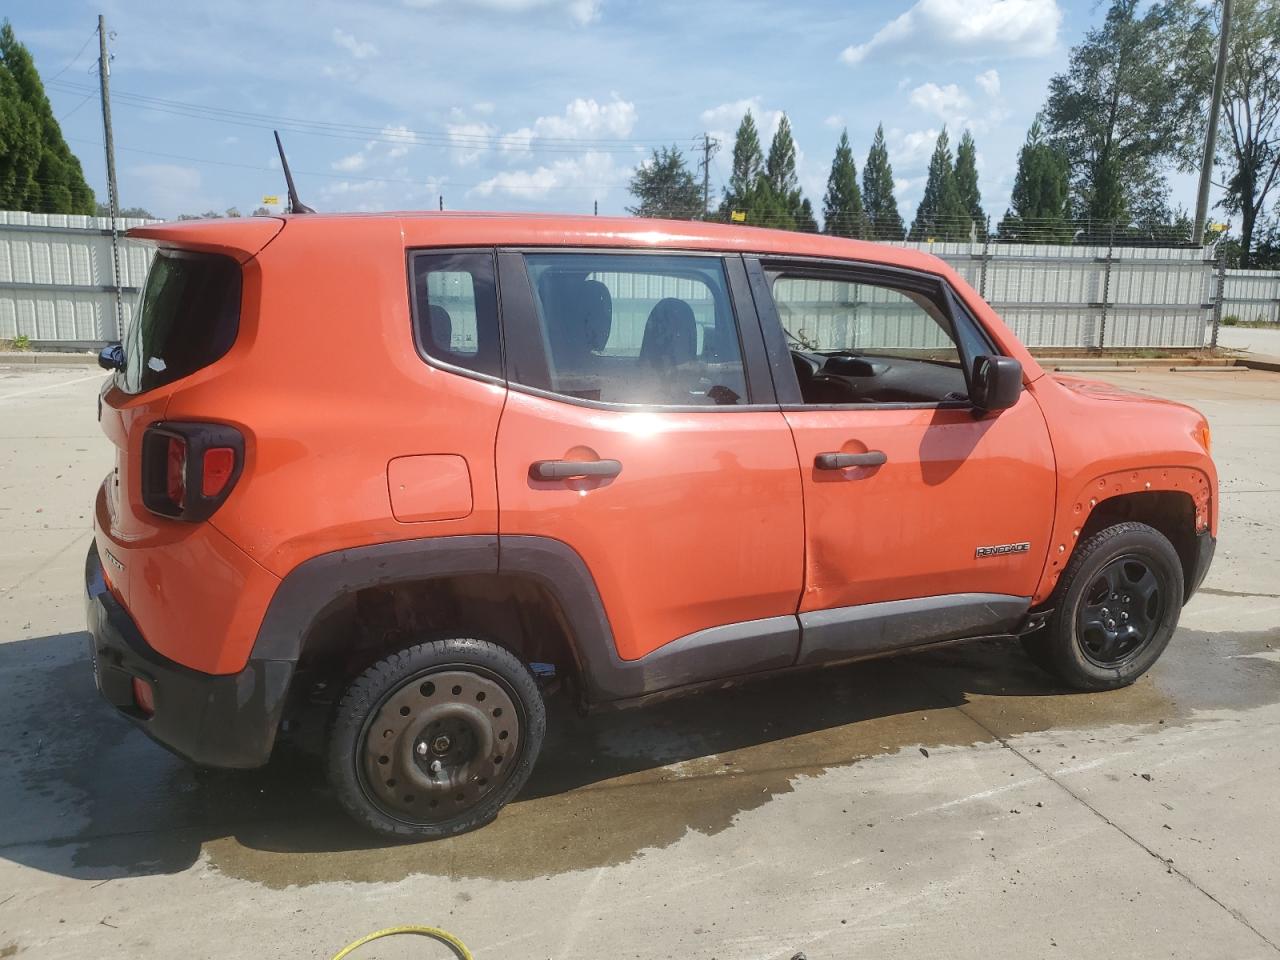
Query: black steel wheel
433	740
1115	609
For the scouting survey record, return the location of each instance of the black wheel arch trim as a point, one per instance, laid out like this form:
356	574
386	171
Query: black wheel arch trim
717	653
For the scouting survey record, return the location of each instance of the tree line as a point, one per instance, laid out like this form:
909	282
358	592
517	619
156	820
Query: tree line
1129	108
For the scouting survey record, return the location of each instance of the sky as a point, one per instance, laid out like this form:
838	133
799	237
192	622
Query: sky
537	105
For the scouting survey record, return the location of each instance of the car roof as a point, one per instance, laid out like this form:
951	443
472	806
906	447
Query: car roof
431	228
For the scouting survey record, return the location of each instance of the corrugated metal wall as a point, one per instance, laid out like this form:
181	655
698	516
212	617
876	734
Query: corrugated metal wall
1252	295
55	278
56	287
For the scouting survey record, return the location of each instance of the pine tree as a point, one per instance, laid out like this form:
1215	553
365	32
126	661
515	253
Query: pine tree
941	214
664	186
805	221
748	164
780	167
967	185
842	212
883	220
57	184
1041	193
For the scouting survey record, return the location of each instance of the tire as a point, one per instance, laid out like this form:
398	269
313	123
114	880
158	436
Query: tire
434	740
1114	610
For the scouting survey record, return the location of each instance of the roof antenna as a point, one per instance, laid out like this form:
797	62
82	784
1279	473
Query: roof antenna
295	205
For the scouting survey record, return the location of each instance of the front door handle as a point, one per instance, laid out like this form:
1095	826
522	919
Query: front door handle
573	469
842	461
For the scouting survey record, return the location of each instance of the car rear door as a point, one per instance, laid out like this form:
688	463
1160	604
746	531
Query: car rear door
641	430
925	519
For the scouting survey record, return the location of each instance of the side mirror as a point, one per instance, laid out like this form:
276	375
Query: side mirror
996	383
111	357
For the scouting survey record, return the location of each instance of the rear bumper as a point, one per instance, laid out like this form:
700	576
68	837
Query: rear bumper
214	720
1205	547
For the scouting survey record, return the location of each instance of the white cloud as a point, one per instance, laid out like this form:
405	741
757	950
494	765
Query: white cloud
170	189
360	49
580	11
393	143
911	149
989	81
835	121
939	30
470	140
593	174
945	102
582	119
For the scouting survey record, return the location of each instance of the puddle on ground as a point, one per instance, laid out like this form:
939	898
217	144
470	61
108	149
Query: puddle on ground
607	786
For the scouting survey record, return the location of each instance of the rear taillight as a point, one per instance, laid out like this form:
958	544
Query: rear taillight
144	697
175	474
189	469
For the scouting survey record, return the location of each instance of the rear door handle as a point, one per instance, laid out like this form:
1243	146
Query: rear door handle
842	461
573	469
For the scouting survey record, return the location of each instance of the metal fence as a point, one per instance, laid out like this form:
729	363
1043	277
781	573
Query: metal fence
56	284
1251	295
56	287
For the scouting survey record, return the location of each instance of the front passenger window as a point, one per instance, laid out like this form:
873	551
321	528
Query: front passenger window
857	342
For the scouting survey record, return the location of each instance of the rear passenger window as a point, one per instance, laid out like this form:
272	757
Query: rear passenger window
641	329
456	310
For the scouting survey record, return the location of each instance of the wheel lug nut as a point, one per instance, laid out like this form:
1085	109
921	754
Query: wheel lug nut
1124	616
420	749
434	767
1111	624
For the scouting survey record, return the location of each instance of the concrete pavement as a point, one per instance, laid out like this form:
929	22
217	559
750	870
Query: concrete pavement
943	804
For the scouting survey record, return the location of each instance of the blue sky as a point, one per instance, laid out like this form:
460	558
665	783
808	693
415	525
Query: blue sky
533	104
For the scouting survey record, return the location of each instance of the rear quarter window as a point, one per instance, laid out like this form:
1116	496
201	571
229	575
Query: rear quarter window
188	318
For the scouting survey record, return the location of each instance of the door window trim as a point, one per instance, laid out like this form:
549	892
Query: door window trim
415	332
522	328
936	288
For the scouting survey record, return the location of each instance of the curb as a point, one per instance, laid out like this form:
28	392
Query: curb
48	360
1260	363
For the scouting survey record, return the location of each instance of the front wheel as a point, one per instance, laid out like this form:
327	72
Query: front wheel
1116	608
434	740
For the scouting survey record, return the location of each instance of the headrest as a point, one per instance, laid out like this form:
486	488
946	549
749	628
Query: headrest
670	334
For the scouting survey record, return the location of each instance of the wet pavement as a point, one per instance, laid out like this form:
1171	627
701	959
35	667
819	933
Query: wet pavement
951	802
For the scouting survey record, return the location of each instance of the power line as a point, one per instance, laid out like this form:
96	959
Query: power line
72	62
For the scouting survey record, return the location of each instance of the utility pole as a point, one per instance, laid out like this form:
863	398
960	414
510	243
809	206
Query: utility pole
709	148
1211	136
113	197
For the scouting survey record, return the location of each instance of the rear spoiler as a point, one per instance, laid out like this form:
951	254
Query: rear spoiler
239	237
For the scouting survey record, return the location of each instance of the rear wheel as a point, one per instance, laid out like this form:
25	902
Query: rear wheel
1115	609
434	740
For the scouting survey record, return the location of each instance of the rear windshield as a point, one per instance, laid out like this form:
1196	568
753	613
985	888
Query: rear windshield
187	319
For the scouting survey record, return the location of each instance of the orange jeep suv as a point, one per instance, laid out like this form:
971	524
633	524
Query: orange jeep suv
411	471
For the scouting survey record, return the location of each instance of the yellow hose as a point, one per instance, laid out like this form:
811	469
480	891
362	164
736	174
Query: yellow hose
443	936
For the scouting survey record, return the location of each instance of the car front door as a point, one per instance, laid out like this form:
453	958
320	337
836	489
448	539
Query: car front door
925	519
641	430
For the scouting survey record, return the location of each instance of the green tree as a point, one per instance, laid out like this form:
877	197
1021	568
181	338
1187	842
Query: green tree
1038	211
748	164
780	167
883	220
1122	107
842	213
38	171
805	220
941	214
141	213
967	184
1249	141
665	187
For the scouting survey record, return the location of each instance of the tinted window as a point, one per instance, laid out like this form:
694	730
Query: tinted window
860	342
456	310
637	328
188	317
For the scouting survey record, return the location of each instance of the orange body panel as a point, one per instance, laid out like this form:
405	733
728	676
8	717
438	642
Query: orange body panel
910	527
352	439
702	527
1109	442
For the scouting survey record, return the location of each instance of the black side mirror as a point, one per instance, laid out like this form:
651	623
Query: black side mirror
111	357
996	383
